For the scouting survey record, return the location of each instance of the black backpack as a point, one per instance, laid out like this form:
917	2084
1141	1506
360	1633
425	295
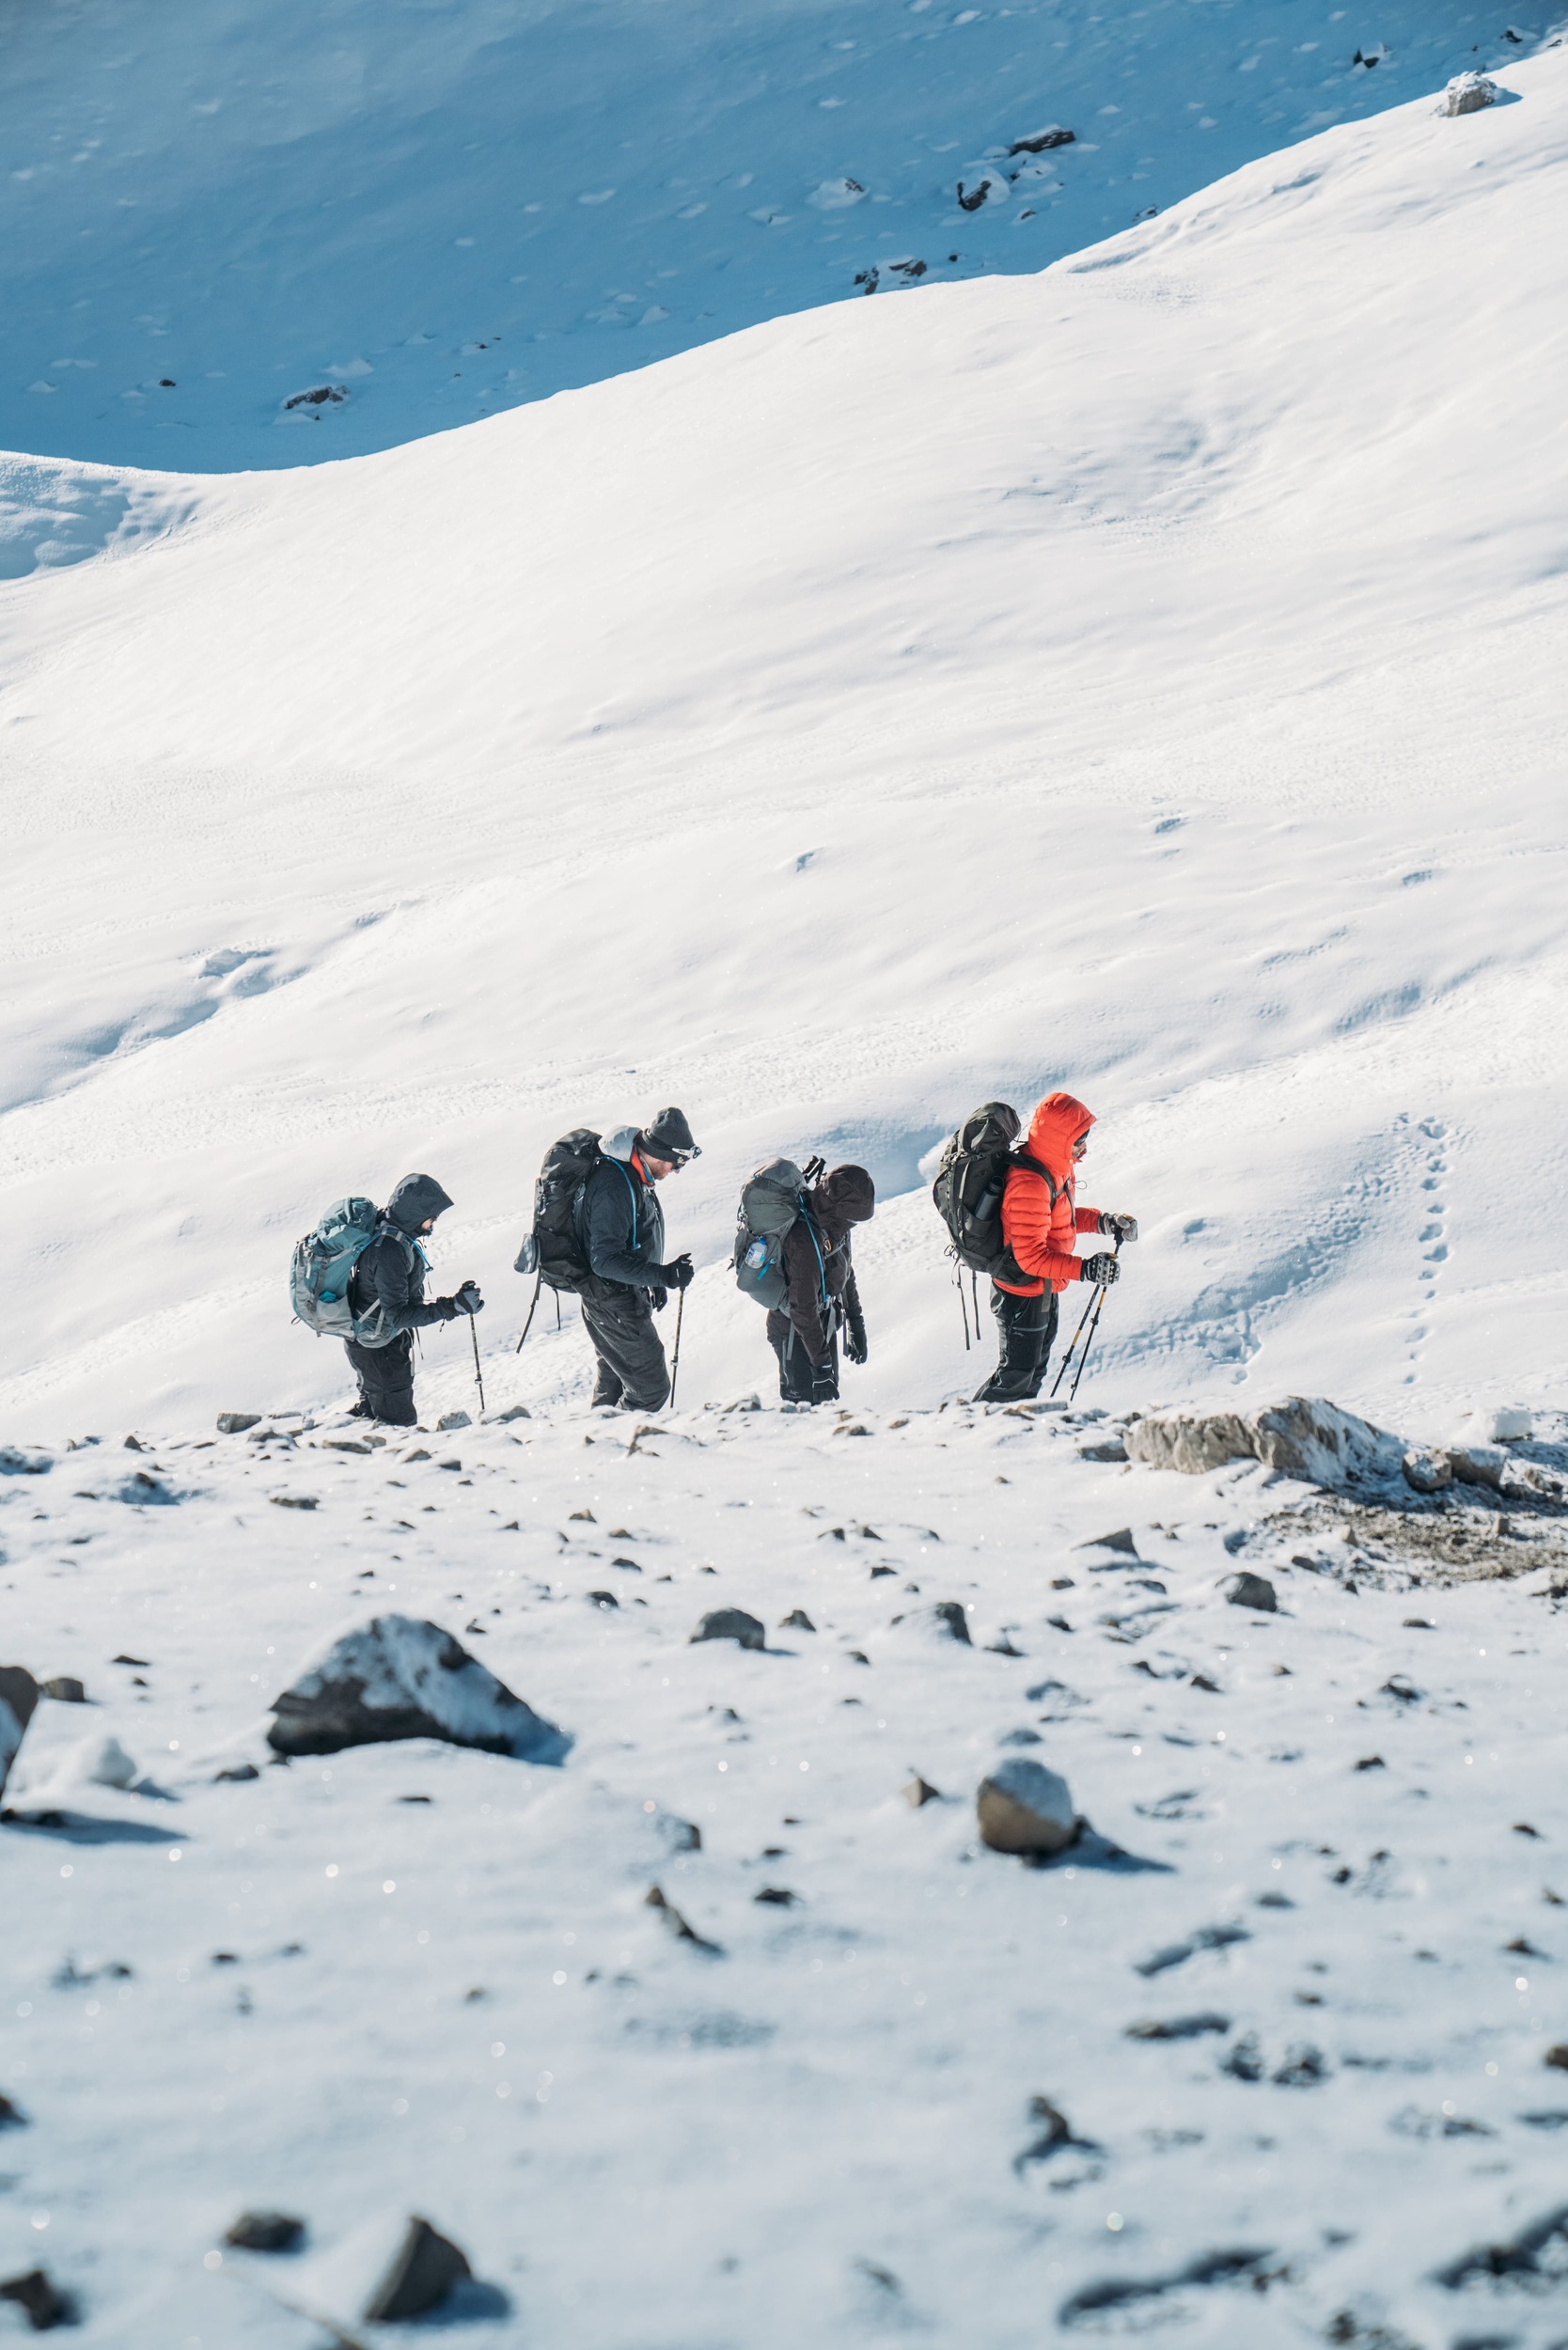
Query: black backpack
554	1249
970	1181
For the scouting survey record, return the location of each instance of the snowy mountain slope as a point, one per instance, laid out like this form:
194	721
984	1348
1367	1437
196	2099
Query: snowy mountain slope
1327	1865
440	213
1143	676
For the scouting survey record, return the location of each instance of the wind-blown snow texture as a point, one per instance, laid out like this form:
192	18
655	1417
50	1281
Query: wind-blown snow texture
210	209
1144	676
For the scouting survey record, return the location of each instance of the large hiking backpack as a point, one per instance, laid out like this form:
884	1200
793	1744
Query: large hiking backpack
972	1177
772	1203
323	1265
554	1249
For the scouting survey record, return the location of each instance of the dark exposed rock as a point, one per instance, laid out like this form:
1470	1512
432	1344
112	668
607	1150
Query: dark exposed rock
19	1697
1039	141
777	1896
45	2304
65	1689
396	1677
1178	2027
681	1927
1122	1540
730	1623
423	2271
796	1621
921	1792
235	1771
236	1423
1246	1590
12	2115
265	2231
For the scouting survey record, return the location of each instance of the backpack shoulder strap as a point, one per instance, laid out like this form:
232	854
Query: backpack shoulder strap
1022	1158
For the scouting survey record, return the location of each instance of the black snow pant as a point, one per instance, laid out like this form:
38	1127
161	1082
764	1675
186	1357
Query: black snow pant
1027	1328
801	1380
632	1368
386	1376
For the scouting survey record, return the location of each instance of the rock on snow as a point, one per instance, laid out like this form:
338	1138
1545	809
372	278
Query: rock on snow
396	1677
1306	1437
1024	1807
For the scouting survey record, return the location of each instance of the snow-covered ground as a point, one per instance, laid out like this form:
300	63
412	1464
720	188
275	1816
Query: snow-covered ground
212	206
1144	677
410	1978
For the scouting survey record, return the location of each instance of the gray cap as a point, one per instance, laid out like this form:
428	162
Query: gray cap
669	1137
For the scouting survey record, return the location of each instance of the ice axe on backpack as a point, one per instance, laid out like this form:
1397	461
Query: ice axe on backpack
1091	1315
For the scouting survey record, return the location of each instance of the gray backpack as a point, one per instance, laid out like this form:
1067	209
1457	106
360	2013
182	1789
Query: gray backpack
772	1203
322	1267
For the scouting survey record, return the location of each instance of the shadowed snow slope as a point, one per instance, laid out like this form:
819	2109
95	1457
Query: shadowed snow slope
1144	676
420	215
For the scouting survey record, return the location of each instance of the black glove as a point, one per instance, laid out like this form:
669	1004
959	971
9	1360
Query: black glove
467	1300
1121	1228
679	1275
658	1299
854	1337
1102	1269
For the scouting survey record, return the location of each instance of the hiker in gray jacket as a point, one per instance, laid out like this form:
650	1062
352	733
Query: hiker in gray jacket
622	1229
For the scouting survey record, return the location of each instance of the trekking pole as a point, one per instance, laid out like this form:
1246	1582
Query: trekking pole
1099	1307
1077	1334
477	1372
674	1362
964	1308
1092	1308
533	1309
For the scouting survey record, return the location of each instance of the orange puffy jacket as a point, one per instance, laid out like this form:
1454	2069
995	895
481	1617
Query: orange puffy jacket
1038	1219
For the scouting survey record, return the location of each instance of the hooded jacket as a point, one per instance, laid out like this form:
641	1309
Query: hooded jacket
620	1221
390	1273
1039	1219
817	1255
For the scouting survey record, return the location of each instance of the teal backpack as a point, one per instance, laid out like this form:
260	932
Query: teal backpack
323	1265
771	1204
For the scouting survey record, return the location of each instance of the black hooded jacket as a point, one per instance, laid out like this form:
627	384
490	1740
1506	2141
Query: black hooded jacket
620	1221
391	1271
817	1255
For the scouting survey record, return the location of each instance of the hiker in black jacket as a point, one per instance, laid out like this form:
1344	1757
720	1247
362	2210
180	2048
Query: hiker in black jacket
622	1229
389	1279
823	1295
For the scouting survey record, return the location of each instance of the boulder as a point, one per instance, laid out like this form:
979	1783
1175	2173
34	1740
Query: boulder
1478	1464
265	2231
730	1623
513	1411
1307	1438
1303	1437
1246	1590
1467	93
384	2272
235	1423
19	1697
400	1677
422	2271
65	1689
1024	1807
453	1419
947	1618
1427	1470
1193	1442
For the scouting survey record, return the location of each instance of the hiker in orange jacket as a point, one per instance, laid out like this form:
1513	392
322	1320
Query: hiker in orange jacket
1040	1222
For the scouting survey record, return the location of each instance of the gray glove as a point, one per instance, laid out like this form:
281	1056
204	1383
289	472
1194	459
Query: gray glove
468	1300
1121	1228
1102	1269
